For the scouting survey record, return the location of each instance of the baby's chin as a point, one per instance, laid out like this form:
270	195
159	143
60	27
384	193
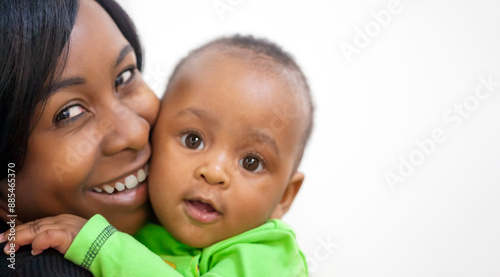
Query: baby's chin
199	237
200	243
197	240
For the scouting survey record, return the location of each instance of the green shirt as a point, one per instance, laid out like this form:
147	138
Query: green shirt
268	250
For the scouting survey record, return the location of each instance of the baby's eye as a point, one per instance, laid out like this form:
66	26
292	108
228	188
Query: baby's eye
69	113
125	77
193	141
251	163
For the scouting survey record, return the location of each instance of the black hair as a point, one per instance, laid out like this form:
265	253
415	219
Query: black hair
270	57
34	38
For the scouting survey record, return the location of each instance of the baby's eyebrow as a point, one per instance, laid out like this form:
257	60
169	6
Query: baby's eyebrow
263	137
199	113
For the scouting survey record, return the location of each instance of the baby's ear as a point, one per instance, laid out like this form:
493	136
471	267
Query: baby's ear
289	195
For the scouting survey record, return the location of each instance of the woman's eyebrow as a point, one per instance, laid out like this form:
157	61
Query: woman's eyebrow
75	81
123	53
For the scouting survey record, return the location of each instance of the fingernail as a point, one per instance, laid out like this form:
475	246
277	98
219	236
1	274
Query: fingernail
1	237
33	253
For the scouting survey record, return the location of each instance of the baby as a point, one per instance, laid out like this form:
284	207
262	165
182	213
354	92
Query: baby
232	128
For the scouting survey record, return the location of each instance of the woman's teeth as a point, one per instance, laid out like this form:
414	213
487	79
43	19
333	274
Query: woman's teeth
119	186
108	188
141	175
130	182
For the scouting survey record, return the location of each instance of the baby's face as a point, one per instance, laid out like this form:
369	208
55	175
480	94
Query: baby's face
224	149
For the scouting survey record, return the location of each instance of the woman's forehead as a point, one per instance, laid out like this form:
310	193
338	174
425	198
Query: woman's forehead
95	40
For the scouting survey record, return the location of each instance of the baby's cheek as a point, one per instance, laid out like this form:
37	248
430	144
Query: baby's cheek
255	211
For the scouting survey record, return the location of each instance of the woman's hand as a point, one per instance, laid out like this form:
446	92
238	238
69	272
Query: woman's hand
56	232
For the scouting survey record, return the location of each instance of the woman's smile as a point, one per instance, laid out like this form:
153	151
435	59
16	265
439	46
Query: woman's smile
89	149
123	184
129	198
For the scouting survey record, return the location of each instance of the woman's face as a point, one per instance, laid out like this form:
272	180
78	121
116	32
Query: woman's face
92	136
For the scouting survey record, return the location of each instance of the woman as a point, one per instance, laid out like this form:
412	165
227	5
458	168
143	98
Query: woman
75	117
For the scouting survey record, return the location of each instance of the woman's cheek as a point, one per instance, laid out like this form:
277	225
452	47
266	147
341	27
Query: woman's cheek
57	167
42	192
73	164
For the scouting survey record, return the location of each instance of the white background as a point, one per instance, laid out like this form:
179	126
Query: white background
443	218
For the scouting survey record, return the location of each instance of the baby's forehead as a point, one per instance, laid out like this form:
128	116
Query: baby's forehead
215	58
265	78
221	63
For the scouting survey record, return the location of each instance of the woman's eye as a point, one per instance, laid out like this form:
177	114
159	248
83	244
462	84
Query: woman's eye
124	77
70	112
251	163
192	141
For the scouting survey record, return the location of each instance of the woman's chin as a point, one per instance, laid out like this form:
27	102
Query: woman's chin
126	210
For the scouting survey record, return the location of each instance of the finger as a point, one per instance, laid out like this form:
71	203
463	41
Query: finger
20	226
10	247
25	236
26	233
52	238
35	225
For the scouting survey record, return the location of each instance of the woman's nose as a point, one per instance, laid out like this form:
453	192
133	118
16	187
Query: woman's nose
126	130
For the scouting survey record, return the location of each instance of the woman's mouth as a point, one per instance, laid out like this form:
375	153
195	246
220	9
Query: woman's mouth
126	183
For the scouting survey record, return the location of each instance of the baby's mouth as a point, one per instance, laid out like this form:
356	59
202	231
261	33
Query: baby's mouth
202	206
201	210
128	182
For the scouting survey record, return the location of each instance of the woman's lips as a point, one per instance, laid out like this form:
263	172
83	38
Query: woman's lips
201	211
126	183
128	198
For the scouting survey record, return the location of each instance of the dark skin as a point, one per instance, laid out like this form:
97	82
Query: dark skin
243	161
207	105
93	132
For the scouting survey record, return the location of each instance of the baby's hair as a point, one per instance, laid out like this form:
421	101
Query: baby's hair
268	56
